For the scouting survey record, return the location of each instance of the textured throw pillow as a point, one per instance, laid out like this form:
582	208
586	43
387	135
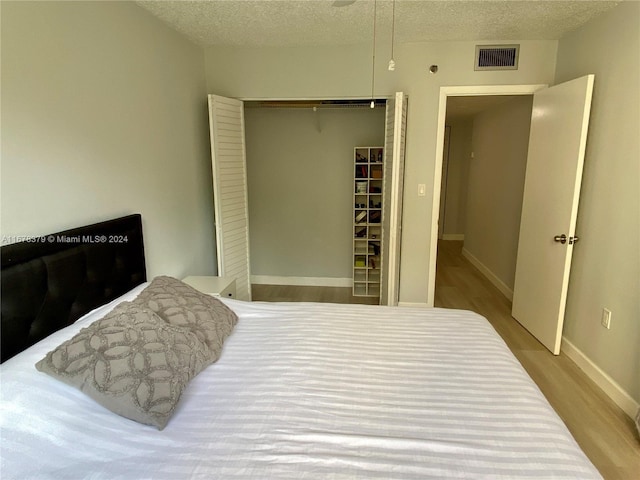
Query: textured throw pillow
131	362
180	304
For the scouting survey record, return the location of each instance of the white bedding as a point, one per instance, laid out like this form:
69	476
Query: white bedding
307	391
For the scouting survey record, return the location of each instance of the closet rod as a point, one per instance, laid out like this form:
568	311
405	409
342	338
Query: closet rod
311	105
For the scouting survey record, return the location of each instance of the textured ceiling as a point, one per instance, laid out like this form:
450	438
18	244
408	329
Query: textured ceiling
319	22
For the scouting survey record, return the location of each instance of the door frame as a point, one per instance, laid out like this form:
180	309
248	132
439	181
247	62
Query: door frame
387	98
457	91
444	179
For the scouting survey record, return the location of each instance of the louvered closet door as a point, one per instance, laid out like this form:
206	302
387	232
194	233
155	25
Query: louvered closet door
228	157
392	191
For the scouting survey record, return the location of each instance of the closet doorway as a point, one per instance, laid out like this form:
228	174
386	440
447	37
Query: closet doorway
299	166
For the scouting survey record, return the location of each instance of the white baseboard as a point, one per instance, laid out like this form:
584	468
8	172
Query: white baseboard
600	378
453	236
499	284
301	281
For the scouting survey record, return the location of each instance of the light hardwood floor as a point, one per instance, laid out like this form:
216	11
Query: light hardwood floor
292	293
605	433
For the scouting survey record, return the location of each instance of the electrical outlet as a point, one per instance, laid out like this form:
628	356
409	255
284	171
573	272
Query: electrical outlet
606	318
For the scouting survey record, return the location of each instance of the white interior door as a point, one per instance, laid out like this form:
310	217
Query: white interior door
557	142
392	191
228	157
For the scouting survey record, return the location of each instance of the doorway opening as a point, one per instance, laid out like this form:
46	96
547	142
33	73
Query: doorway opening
300	175
483	172
556	146
302	170
466	98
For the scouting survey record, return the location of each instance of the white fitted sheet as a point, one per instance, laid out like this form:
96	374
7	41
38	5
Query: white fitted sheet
307	391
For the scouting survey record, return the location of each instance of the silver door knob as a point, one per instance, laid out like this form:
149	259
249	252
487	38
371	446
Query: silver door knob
573	240
560	238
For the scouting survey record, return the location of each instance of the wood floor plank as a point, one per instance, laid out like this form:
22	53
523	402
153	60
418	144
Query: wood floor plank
605	433
296	293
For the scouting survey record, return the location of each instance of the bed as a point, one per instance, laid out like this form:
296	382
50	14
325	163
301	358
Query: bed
301	390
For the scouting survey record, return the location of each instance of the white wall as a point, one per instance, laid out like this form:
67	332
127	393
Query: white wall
606	261
336	72
455	213
104	114
300	174
500	141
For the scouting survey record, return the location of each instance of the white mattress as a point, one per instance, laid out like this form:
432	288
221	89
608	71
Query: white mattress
307	391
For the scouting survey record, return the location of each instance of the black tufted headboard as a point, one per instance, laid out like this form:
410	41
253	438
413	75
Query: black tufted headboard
49	282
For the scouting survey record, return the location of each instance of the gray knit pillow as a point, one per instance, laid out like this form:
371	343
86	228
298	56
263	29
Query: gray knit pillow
180	304
131	362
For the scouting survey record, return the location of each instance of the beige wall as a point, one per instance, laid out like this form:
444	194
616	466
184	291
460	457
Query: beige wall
606	262
455	213
500	141
300	175
104	114
345	71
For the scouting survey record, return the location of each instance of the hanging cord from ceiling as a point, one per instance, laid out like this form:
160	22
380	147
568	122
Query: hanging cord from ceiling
373	58
392	62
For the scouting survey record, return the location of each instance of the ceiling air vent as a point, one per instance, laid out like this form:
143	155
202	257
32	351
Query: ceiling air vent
497	57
